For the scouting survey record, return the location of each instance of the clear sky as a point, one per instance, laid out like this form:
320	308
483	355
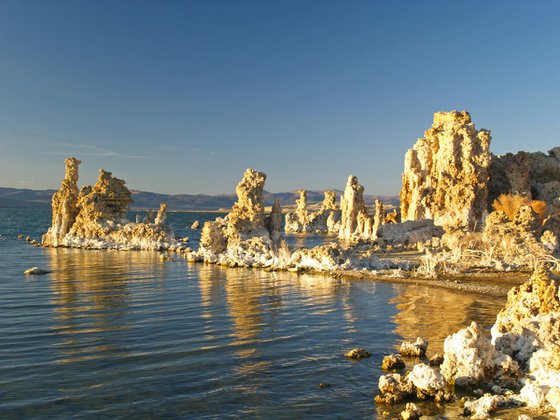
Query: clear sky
182	96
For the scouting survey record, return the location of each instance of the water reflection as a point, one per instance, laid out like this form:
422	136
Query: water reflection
437	312
91	299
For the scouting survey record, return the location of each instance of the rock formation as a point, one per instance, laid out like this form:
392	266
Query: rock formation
244	237
521	352
528	329
95	217
326	220
534	175
355	222
446	173
64	205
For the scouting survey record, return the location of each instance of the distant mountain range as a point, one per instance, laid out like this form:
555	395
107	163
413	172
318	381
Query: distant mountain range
25	198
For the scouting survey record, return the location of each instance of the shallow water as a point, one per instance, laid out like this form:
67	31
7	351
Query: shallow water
122	334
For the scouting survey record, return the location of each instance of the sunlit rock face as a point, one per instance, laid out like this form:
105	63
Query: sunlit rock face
245	237
107	201
535	175
355	222
64	205
528	329
326	220
95	218
446	173
247	218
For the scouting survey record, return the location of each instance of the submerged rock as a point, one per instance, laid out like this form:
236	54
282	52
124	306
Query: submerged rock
392	362
446	173
35	271
411	412
357	354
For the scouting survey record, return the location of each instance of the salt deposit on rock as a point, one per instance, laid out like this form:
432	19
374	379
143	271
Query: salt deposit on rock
470	359
528	329
483	407
95	218
446	173
64	205
414	349
423	382
244	237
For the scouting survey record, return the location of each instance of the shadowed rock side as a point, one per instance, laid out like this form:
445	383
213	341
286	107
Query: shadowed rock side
95	218
446	173
533	175
326	220
518	363
64	205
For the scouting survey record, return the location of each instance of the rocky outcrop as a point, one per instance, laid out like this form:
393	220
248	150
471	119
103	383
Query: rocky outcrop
326	220
534	175
446	173
528	329
95	218
423	382
355	222
471	360
245	237
64	205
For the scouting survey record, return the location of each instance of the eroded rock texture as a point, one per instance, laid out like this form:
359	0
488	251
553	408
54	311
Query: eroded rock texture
535	175
528	329
64	205
446	173
245	237
95	217
326	220
355	222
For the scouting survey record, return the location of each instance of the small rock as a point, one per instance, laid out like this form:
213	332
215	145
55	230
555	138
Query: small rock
392	362
324	385
411	412
195	225
20	236
165	257
478	392
357	353
436	359
28	238
416	349
35	270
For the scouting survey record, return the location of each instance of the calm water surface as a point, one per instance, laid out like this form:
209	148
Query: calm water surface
121	334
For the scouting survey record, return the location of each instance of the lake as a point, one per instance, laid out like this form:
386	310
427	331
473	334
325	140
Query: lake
122	334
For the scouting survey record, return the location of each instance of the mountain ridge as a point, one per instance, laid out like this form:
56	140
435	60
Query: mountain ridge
144	200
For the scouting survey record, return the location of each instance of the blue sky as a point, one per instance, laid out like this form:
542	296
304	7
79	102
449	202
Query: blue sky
182	96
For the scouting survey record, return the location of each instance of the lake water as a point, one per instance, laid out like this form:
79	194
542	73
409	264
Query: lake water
124	334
